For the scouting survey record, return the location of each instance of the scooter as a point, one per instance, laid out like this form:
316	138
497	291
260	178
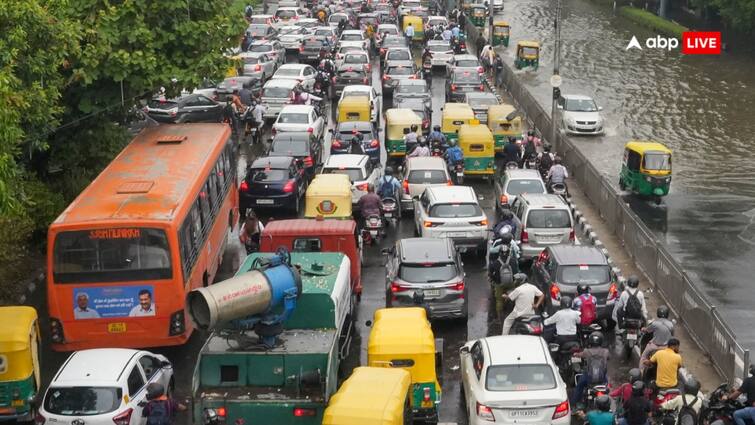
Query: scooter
568	365
716	410
389	206
558	189
457	172
531	324
373	229
630	336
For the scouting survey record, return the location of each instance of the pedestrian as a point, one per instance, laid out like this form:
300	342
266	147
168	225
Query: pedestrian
160	410
409	33
498	69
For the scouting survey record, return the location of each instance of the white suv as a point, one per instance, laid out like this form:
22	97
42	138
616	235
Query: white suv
104	386
452	212
360	170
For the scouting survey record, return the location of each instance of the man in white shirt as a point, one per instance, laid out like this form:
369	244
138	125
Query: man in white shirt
527	298
409	33
566	321
82	310
145	307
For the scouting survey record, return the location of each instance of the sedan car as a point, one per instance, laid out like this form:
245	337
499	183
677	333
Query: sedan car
462	82
309	52
390	41
327	32
464	63
231	84
347	75
401	54
416	89
580	115
276	94
426	272
305	74
291	37
262	19
359	58
452	212
387	29
261	31
364	90
258	65
395	72
277	182
512	183
300	145
288	15
441	52
421	107
479	102
345	131
360	170
272	47
187	108
106	386
300	118
354	36
436	20
512	379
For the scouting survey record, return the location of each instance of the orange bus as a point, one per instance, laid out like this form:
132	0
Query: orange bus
150	228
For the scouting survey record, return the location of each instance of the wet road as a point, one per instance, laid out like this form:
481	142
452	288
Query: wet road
700	106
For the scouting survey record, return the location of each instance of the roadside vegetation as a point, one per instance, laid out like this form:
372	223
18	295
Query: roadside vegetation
652	21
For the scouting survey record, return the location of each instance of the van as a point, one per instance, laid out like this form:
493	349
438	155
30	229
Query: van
545	219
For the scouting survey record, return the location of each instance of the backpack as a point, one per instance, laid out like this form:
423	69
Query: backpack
159	413
588	310
506	276
596	368
387	190
455	155
687	415
633	307
546	161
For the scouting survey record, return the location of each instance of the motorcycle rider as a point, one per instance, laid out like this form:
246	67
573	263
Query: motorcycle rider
545	160
323	79
507	219
421	150
596	368
446	34
631	303
557	174
692	398
748	389
662	329
624	391
669	361
258	117
566	320
246	41
436	136
356	143
637	409
527	298
602	415
530	149
511	151
369	204
390	187
249	235
587	305
454	156
501	282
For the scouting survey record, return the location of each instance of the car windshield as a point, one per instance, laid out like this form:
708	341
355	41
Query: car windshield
293	118
162	104
439	47
467	77
285	14
351	37
251	60
481	102
411	88
455	210
82	401
326	33
111	255
433	22
268	174
589	275
580	105
288	72
427	177
427	273
277	92
394	42
360	59
355	174
517	187
399	55
520	377
289	147
657	161
467	63
261	48
549	219
400	70
257	29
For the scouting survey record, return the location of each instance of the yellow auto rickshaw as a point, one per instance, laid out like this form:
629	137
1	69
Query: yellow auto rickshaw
417	23
477	145
527	54
646	169
402	338
19	363
454	116
479	15
371	396
328	196
354	108
501	127
501	33
396	121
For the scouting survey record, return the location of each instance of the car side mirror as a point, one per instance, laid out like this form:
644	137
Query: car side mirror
464	350
600	108
560	106
166	364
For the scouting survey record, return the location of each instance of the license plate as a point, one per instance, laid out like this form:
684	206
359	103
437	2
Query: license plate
116	328
576	359
456	234
388	215
523	413
432	292
459	174
265	201
632	337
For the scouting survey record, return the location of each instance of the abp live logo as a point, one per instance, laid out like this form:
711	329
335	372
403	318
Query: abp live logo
701	43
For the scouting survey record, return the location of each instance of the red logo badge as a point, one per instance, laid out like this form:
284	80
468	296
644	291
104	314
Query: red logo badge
701	43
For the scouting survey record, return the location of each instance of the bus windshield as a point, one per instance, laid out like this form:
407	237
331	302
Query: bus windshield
111	255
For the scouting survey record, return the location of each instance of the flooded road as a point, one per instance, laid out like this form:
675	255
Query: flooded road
699	106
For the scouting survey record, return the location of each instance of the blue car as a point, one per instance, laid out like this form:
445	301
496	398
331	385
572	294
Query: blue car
342	135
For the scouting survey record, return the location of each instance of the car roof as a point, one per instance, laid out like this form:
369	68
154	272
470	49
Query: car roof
321	28
288	8
439	42
358	88
426	250
425	163
543	199
387	25
290	27
481	95
568	254
292	135
576	96
352	32
355	124
99	364
274	162
345	160
400	63
415	103
437	17
293	66
452	194
522	174
297	108
529	349
281	83
413	83
465	57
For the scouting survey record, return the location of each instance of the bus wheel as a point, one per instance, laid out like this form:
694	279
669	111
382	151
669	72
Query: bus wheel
205	279
230	220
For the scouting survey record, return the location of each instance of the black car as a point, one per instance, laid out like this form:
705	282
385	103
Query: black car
462	82
187	108
560	268
421	107
310	49
261	31
273	182
345	130
300	145
351	74
226	88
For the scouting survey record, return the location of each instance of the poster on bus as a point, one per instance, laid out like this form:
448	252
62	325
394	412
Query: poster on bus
113	301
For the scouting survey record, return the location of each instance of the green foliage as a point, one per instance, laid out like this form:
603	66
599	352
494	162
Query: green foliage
652	21
740	13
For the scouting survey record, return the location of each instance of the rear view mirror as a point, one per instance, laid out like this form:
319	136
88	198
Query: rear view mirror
368	323
464	350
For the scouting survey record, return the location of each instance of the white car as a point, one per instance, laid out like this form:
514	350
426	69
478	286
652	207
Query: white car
387	29
441	52
291	36
259	65
354	36
305	74
360	170
327	32
421	173
355	58
288	15
300	118
452	212
104	386
276	94
363	90
433	21
580	114
512	379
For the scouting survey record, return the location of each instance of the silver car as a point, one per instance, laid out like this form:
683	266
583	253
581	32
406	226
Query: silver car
275	95
258	65
360	170
273	48
441	52
545	220
291	36
426	272
513	183
479	102
452	212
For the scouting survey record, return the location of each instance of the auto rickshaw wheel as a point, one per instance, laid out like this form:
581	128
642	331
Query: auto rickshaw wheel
658	200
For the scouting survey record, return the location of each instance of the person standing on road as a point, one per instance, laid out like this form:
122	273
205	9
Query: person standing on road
527	298
662	329
160	410
498	69
409	33
668	362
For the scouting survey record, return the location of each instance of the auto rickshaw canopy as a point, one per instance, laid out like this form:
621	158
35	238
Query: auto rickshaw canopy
501	27
354	108
19	337
370	396
454	115
329	196
499	124
649	147
397	119
522	47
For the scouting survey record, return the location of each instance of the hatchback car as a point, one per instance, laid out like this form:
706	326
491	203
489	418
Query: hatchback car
305	74
426	272
345	131
276	94
441	52
258	65
560	268
422	108
462	82
464	63
360	170
273	182
479	102
387	29
437	20
261	31
273	48
391	41
395	72
452	212
288	15
355	58
225	88
419	174
291	37
262	19
545	220
396	54
354	36
104	386
327	32
347	75
412	89
580	115
309	52
300	118
187	108
364	90
300	145
512	379
512	183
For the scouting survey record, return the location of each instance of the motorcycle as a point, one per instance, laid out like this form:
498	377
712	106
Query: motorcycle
630	336
558	189
457	172
373	229
584	331
530	324
436	150
389	206
563	354
530	163
512	165
716	410
321	89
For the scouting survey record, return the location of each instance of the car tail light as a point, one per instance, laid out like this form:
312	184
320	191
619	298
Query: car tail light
426	394
458	286
483	222
301	49
39	419
430	224
363	187
405	184
561	410
177	324
220	411
308	161
482	87
257	67
555	292
386	77
56	330
535	328
274	131
124	418
572	235
449	182
504	199
484	412
374	143
302	412
395	287
453	87
336	144
368	67
173	112
613	292
310	130
365	80
480	70
289	187
525	236
244	186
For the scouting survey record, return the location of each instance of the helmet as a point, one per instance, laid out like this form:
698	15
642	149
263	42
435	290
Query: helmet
635	375
603	403
638	388
566	301
752	369
692	387
595	339
506	215
506	238
583	289
512	139
662	312
388	171
414	127
557	160
531	133
452	142
155	390
633	281
547	147
436	128
520	278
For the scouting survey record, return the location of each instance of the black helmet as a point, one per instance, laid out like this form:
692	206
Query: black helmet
635	375
436	128
520	278
557	160
662	312
389	171
547	147
512	139
692	387
566	301
155	390
752	369
603	403
506	215
506	238
638	388
583	289
531	133
414	127
595	339
633	281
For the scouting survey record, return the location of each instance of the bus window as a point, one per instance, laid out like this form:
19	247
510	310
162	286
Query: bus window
307	245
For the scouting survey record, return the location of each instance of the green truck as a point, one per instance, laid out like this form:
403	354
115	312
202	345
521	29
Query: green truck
239	381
